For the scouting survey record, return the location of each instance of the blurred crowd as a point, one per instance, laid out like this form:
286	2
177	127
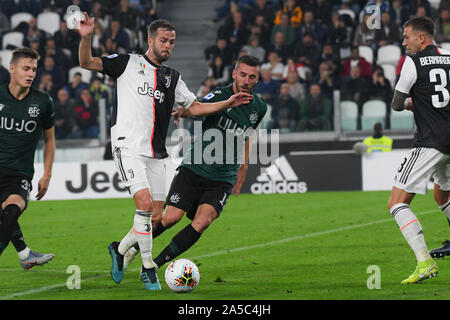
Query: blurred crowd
307	48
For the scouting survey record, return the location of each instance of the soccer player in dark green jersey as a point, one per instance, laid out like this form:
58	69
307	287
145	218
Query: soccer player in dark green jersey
203	183
25	113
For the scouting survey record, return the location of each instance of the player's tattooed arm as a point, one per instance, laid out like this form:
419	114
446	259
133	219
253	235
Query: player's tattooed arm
87	61
398	101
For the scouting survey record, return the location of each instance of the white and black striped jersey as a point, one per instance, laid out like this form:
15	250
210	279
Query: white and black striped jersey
143	99
425	76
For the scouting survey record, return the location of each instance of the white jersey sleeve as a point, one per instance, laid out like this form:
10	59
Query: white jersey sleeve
408	76
183	96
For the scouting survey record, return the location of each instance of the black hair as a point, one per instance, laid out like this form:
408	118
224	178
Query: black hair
423	24
159	24
248	60
24	53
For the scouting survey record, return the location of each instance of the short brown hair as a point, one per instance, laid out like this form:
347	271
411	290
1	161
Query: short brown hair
423	24
159	24
20	53
248	60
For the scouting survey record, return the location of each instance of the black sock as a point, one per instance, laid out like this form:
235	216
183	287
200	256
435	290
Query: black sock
9	219
182	241
156	232
17	238
159	229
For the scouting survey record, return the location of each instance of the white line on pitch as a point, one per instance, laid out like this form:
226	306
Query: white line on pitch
218	253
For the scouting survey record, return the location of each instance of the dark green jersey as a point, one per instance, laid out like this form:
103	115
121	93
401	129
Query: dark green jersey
21	125
217	154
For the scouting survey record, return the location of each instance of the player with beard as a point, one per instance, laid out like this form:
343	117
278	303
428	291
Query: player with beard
202	186
144	95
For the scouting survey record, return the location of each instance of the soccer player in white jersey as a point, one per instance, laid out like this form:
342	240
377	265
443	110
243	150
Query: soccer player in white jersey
425	77
145	93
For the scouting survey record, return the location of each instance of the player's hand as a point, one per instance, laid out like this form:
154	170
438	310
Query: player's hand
239	99
86	26
242	172
177	113
42	187
409	104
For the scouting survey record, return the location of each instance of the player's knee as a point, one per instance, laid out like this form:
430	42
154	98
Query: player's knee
202	222
16	200
441	197
170	218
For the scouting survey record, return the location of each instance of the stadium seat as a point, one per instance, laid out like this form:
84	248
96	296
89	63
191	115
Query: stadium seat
48	21
402	120
389	54
347	12
435	4
19	17
366	52
349	115
5	55
390	73
13	38
445	45
86	75
373	111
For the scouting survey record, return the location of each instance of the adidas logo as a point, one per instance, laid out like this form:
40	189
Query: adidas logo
278	178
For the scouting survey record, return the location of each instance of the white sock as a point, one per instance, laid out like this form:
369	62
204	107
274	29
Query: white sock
24	253
411	229
127	241
446	208
142	229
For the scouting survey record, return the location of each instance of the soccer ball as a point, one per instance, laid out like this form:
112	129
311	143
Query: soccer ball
182	275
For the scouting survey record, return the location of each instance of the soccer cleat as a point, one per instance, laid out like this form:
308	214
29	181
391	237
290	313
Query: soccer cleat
117	270
150	279
424	270
441	251
129	257
36	259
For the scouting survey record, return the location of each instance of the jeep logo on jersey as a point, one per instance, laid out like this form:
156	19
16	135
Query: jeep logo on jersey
20	126
33	110
278	178
147	89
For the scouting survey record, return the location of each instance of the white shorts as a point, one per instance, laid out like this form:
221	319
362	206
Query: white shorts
139	172
417	168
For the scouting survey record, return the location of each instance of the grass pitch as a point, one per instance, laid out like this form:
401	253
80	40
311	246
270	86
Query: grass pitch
317	245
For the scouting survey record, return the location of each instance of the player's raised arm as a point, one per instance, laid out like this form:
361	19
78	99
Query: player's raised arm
87	61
